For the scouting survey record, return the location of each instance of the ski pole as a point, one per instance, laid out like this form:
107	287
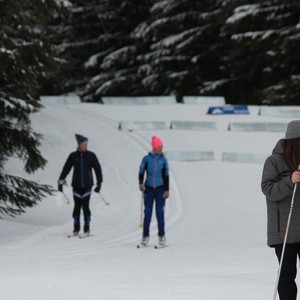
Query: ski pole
63	182
142	206
106	203
67	199
285	238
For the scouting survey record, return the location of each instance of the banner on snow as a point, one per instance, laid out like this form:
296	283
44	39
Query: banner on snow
228	110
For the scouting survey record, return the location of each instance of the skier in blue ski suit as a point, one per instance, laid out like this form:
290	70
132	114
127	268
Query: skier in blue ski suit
155	188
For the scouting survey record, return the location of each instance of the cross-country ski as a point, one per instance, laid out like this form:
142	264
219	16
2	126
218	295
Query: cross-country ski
84	235
79	235
72	235
160	246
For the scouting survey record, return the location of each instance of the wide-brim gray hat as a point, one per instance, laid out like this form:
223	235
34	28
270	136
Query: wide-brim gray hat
293	130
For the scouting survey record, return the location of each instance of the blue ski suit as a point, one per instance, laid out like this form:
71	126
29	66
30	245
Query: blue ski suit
157	181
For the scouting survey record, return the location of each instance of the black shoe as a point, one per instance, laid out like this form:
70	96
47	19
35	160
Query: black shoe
86	229
76	228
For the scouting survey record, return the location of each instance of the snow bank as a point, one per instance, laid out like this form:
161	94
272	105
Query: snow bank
280	111
190	155
261	126
139	100
204	100
193	125
62	99
142	125
255	158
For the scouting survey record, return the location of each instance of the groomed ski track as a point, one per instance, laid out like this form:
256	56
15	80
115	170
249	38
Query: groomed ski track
215	216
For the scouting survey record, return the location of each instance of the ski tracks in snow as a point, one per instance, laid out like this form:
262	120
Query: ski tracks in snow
113	226
137	143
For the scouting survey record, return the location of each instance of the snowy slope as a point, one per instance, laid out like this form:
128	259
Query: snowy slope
215	216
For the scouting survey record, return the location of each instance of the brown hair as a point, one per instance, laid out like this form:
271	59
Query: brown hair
291	153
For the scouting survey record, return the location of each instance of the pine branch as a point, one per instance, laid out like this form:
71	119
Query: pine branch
18	193
19	140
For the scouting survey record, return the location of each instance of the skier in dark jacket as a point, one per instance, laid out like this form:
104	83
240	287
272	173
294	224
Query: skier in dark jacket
82	161
155	188
279	176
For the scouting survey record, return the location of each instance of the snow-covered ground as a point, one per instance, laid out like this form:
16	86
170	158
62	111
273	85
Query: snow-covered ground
215	216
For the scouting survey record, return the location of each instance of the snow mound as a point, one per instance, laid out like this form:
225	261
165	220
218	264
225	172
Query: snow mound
142	125
255	158
261	126
280	111
139	100
192	125
204	100
62	99
190	155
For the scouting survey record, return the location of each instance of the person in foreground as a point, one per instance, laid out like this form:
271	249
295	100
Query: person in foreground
155	189
83	161
280	174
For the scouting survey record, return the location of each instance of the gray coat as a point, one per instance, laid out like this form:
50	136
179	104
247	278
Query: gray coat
278	188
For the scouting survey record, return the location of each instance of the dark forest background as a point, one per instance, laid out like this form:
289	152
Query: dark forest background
246	51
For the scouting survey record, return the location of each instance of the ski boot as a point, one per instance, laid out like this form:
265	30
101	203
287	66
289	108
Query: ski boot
161	240
145	240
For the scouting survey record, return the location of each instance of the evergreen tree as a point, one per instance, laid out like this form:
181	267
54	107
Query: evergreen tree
243	50
100	49
262	64
25	58
184	47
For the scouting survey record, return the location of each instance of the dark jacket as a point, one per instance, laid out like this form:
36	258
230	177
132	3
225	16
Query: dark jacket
83	163
157	169
278	188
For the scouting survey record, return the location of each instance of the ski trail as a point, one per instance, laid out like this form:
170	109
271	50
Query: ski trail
174	210
115	233
209	218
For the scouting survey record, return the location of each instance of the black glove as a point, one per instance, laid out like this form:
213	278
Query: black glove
60	188
97	188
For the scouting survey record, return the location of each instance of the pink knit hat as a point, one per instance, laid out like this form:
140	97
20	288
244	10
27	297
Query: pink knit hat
156	142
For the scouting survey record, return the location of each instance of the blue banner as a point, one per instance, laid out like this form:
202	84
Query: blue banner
228	110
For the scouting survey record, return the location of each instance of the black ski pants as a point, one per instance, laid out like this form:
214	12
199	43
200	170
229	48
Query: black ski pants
82	201
287	288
